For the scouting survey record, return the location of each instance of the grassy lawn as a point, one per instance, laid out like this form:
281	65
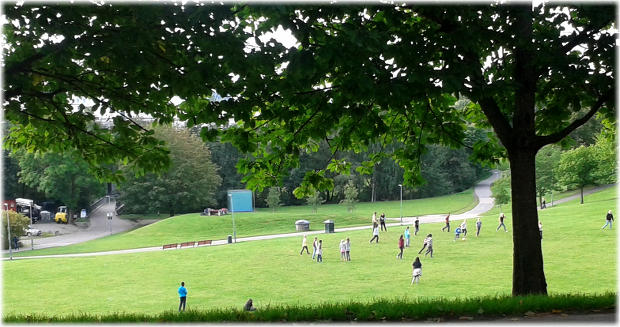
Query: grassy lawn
579	258
193	227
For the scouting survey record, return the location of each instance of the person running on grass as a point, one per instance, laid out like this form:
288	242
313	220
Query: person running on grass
304	245
407	236
382	221
478	226
343	255
447	223
425	244
182	296
501	223
375	234
315	245
348	249
416	224
401	247
429	249
417	271
319	252
457	233
464	228
610	219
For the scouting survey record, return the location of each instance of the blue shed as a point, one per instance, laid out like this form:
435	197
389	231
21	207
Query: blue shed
240	201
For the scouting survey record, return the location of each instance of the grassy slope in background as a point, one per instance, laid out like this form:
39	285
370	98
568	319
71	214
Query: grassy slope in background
193	227
579	258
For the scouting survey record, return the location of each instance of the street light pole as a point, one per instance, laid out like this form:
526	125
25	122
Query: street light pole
232	213
401	203
8	226
31	240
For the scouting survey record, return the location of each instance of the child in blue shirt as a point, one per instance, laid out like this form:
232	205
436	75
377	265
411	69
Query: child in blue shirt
457	233
407	237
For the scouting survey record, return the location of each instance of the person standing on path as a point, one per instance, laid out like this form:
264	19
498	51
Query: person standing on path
375	234
609	219
416	224
304	245
501	222
315	245
182	296
382	221
417	271
407	236
447	223
319	252
478	226
347	248
401	247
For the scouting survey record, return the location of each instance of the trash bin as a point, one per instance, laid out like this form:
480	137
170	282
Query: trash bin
229	239
302	225
329	226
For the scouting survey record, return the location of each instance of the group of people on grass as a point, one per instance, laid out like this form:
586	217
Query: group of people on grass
317	249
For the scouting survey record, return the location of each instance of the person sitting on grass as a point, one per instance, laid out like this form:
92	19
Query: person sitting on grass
249	306
417	271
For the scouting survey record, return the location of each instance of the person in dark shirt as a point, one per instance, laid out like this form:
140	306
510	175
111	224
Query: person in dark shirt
609	218
417	226
501	223
417	271
382	222
447	223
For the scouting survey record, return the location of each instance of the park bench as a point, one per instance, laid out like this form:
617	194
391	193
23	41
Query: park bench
170	246
186	244
204	242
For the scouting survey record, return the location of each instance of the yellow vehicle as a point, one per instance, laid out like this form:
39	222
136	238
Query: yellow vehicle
61	215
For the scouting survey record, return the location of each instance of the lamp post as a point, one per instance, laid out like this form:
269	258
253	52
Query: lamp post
401	203
31	240
232	213
8	226
110	221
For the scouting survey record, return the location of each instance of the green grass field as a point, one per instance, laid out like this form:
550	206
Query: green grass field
193	227
579	258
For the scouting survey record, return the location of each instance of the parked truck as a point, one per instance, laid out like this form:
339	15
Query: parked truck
24	206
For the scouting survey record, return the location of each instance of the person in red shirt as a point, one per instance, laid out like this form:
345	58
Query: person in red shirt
401	247
447	223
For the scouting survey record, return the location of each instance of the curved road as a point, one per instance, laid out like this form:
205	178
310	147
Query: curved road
99	224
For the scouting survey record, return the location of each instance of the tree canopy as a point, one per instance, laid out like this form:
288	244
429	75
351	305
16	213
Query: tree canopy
358	74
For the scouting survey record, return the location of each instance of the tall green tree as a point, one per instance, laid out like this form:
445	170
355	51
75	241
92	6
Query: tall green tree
357	75
273	199
350	196
189	185
315	200
577	168
64	177
501	191
18	223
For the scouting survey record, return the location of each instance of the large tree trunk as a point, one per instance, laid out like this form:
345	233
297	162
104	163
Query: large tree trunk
528	276
581	189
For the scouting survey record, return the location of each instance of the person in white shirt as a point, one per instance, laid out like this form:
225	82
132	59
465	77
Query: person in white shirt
347	248
315	245
304	245
319	252
375	233
342	251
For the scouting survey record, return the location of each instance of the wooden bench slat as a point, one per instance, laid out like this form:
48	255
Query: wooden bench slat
170	246
204	242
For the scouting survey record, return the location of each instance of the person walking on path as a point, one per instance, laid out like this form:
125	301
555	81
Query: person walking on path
374	220
347	248
501	223
375	234
417	271
401	247
382	221
478	226
319	252
447	223
304	245
464	228
609	219
315	245
416	224
407	236
343	255
182	296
